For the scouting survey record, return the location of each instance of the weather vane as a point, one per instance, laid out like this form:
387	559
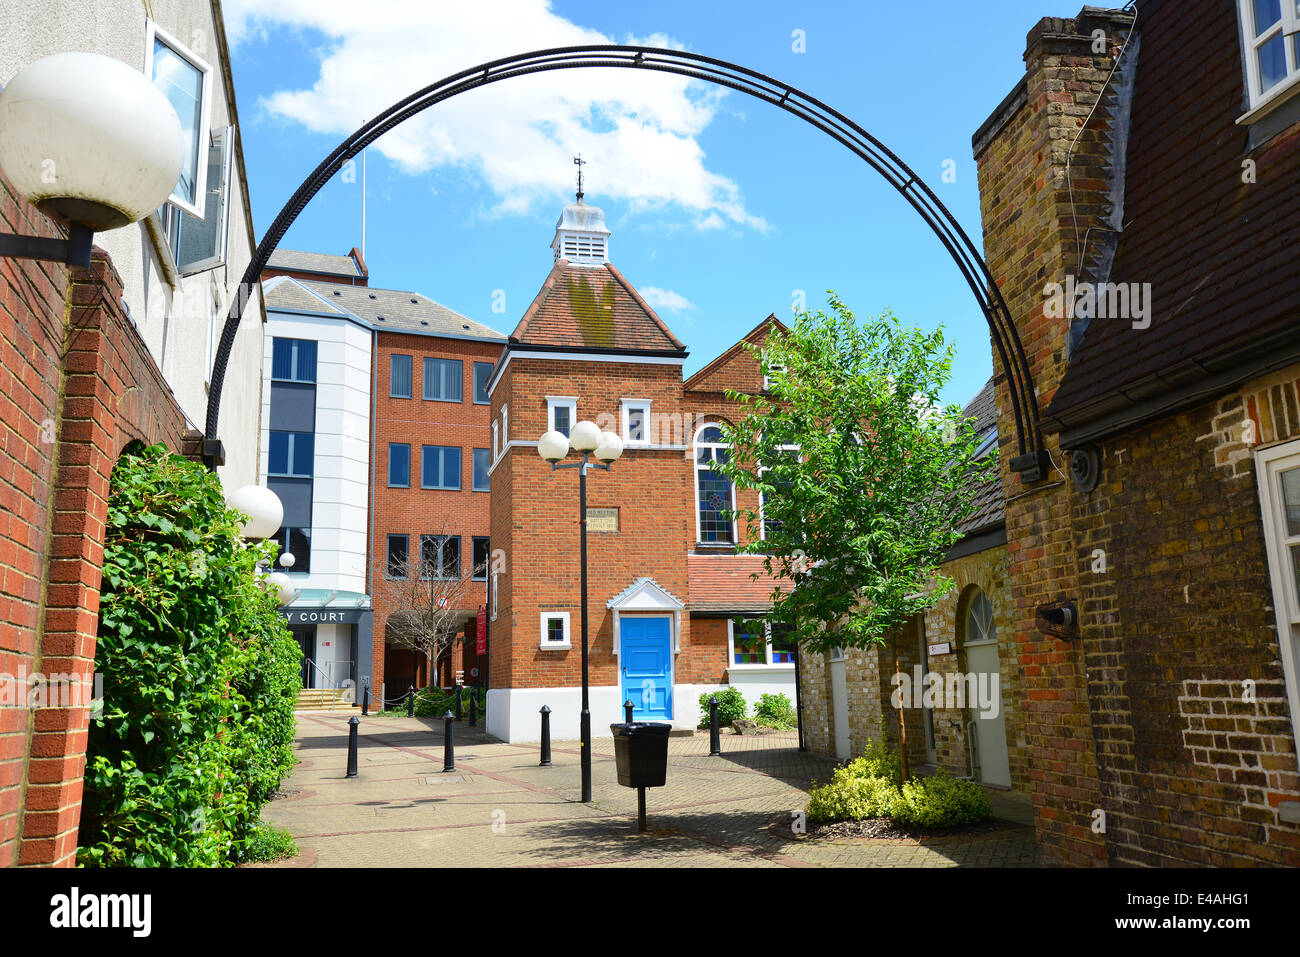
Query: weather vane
579	162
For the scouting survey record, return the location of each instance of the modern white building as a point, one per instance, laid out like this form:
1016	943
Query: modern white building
180	267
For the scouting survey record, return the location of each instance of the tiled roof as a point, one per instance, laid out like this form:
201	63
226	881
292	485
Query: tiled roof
298	261
989	502
393	310
722	583
593	307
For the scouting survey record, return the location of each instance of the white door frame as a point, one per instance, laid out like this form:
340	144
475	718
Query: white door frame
1269	465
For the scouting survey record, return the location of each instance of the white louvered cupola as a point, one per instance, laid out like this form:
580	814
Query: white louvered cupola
581	236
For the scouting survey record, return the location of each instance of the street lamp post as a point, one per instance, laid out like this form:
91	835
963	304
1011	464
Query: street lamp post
585	438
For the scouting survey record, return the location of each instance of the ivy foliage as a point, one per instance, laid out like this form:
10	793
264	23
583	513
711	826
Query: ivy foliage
200	673
864	475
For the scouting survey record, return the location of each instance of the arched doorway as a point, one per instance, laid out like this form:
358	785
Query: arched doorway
986	724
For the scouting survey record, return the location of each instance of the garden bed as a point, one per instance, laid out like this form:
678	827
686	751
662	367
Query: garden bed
884	829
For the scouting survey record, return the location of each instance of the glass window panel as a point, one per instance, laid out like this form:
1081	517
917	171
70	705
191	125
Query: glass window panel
182	83
1291	500
399	464
428	555
749	644
782	645
449	557
201	242
482	370
715	506
399	378
1267	13
555	629
278	463
397	552
1295	568
481	462
304	447
711	434
1272	63
480	557
282	359
442	379
636	425
563	419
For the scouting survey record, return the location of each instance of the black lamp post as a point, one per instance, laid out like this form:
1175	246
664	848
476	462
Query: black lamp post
585	438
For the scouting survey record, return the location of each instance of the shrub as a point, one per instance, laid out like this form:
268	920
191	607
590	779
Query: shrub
941	801
200	673
877	761
267	842
731	706
776	711
849	798
435	702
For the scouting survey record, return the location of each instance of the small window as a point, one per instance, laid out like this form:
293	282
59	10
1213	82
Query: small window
778	367
748	642
440	467
440	556
636	421
980	628
714	495
496	444
399	465
555	630
482	372
399	376
398	556
482	462
442	379
1271	32
561	413
200	244
291	454
481	557
293	360
186	82
492	615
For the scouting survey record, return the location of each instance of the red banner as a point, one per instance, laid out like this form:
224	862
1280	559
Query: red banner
482	630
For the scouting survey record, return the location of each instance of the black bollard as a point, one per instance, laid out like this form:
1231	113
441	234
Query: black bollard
410	702
640	810
459	689
627	710
365	700
473	710
353	723
448	744
715	744
546	737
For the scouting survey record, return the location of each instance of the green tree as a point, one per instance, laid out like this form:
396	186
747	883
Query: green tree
864	476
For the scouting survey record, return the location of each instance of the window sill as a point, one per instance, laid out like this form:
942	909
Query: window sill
768	668
556	646
429	398
1271	102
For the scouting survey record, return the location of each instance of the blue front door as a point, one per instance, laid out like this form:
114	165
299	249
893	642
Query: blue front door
647	660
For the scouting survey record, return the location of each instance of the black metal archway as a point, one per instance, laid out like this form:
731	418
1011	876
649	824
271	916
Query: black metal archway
1031	459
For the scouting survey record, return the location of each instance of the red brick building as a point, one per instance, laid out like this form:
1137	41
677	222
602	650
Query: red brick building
666	588
1140	191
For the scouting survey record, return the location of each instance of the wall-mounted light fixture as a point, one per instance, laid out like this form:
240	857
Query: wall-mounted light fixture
89	141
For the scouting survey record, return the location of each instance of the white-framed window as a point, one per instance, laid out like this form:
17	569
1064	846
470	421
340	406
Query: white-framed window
496	445
555	631
715	498
493	615
757	643
636	421
1270	33
1278	472
767	377
561	413
186	80
505	428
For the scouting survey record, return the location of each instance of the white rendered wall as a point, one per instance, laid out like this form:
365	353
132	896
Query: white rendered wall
340	487
176	324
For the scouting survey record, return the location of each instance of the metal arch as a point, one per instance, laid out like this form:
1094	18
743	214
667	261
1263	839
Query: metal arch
1031	459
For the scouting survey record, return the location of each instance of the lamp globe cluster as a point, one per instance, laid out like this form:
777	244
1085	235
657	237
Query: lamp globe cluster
585	437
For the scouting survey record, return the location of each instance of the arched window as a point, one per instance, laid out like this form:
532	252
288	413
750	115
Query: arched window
979	620
715	499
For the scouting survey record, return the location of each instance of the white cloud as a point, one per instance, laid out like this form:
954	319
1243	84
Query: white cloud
665	300
637	129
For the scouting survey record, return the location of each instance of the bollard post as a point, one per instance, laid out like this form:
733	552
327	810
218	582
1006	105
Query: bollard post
459	689
715	743
353	723
627	710
448	744
473	711
640	810
546	737
410	702
365	700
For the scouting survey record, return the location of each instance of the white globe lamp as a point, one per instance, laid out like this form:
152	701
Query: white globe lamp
585	436
263	508
610	447
553	446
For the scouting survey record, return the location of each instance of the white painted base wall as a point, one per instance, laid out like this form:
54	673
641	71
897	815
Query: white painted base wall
513	714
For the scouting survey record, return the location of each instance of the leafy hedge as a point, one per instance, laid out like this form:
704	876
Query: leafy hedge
731	706
436	702
872	786
200	673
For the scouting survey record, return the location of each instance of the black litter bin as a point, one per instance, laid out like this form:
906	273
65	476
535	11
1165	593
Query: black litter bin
641	754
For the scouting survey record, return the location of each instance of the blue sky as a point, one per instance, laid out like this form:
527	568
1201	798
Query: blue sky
720	205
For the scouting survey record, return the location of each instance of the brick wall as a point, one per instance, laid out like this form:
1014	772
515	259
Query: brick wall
77	384
416	511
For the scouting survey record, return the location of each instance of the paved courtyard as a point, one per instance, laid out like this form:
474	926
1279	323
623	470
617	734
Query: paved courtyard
498	808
